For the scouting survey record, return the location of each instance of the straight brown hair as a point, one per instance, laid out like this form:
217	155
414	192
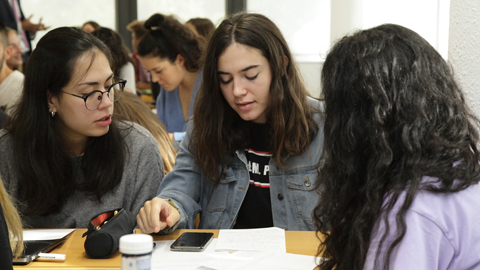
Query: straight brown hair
218	130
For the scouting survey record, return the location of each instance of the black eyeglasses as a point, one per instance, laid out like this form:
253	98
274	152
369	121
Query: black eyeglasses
94	99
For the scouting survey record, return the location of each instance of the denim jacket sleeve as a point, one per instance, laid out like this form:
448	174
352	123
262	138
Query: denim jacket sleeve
183	185
292	187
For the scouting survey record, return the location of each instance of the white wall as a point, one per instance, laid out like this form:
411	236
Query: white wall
464	48
429	18
57	13
311	75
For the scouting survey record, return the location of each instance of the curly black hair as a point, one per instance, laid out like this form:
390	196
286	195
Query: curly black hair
394	114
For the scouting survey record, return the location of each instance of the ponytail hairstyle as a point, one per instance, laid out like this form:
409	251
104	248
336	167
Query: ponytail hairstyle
167	38
42	160
120	52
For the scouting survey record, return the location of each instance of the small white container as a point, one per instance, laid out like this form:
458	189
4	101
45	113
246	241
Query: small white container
136	251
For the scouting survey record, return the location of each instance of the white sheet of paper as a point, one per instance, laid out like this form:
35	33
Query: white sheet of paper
165	259
236	261
47	234
266	239
251	260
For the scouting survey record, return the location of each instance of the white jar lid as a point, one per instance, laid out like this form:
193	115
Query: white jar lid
134	244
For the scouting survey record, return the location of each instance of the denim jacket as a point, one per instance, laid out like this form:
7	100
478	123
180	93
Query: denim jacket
292	188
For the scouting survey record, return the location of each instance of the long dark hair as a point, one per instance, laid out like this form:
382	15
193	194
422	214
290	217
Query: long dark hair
167	38
41	157
220	130
120	52
394	114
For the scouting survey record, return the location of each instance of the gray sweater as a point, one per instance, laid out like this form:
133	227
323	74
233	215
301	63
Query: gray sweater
142	175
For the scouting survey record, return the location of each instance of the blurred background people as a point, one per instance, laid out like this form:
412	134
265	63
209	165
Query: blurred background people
90	26
141	74
12	16
14	61
172	54
11	82
124	67
201	26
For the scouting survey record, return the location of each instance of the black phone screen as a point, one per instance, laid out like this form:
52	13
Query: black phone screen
33	247
192	241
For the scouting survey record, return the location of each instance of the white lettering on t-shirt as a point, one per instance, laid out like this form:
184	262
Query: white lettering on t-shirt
255	168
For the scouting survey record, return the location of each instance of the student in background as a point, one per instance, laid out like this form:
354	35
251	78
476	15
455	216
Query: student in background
399	185
11	233
63	157
201	26
90	26
124	67
12	16
14	60
141	74
250	156
132	108
171	53
11	82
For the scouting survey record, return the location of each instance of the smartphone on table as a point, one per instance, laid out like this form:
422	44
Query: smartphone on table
192	241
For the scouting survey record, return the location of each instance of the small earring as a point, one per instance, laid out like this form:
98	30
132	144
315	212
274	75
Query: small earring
53	113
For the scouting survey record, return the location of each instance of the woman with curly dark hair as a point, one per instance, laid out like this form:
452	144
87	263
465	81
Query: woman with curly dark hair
172	54
399	184
250	156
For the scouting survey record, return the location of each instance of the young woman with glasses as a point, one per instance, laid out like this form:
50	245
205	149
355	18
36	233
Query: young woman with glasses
64	157
251	152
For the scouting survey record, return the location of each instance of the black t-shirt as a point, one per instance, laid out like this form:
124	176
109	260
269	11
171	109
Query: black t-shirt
256	209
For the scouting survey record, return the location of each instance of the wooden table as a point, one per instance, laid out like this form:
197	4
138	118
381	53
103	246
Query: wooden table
298	242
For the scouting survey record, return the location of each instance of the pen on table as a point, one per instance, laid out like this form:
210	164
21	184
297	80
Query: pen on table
50	257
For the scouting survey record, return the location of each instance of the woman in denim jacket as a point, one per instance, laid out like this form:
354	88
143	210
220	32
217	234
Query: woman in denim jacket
252	150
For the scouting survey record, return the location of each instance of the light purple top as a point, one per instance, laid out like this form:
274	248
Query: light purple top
443	232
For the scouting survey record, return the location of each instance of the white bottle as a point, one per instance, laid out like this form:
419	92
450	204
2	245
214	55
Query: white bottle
136	251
